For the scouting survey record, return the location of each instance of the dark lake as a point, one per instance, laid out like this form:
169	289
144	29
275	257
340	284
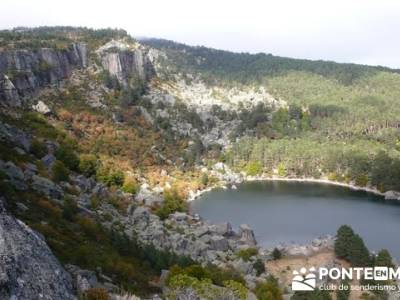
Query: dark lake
285	212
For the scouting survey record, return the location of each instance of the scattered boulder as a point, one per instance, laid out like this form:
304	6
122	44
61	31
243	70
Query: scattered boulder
48	160
83	280
47	187
41	107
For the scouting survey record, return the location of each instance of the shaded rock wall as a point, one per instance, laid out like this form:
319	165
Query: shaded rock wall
28	70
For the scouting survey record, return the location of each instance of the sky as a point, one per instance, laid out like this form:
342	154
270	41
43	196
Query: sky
359	31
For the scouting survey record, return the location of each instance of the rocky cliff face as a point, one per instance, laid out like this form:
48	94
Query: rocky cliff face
27	70
124	60
28	269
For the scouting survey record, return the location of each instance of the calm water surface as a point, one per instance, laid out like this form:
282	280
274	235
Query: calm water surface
286	212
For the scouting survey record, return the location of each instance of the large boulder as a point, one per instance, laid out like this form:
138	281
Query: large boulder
15	135
46	187
245	267
224	229
28	269
392	195
83	280
15	174
148	197
219	243
41	107
247	235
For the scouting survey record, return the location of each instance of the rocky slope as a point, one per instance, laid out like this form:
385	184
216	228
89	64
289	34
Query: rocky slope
28	269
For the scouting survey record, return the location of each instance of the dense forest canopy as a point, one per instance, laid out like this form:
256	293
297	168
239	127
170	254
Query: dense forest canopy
56	37
249	68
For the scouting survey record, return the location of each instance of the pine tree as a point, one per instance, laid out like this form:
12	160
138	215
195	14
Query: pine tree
358	253
384	259
343	240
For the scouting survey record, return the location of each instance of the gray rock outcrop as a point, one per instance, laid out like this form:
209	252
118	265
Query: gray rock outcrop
28	269
247	235
14	135
8	93
392	195
46	187
41	107
28	70
183	234
124	60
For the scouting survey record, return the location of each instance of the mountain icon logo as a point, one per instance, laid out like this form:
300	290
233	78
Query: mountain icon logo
303	280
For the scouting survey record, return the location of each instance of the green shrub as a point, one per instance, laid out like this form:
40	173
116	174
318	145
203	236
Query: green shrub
38	148
204	179
245	254
269	290
88	164
110	177
217	275
70	209
253	168
39	125
361	180
281	170
130	185
59	172
276	254
259	266
67	155
238	289
173	202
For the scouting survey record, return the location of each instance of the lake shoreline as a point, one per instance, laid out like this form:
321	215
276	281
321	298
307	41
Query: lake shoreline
194	195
